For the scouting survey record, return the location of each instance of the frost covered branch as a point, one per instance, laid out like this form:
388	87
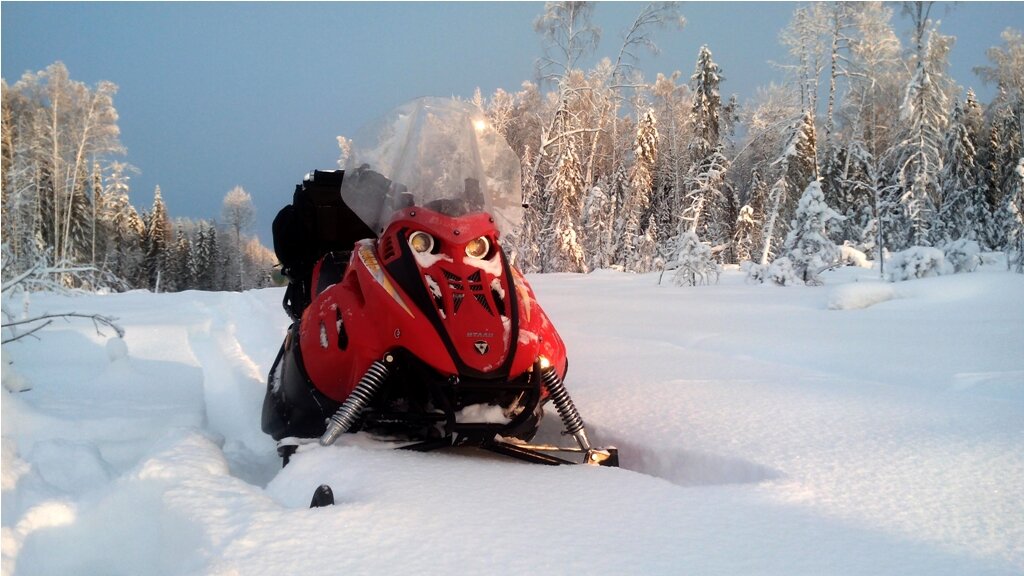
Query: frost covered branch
39	277
47	319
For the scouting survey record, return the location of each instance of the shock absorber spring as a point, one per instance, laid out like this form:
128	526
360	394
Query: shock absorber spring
566	409
360	398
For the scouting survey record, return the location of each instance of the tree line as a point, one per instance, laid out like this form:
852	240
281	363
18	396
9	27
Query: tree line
622	172
867	145
65	201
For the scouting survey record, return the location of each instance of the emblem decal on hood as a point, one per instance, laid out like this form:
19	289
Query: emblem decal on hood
481	346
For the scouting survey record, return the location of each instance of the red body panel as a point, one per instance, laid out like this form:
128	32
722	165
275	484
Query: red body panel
460	315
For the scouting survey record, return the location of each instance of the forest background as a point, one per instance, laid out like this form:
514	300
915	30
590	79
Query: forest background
870	147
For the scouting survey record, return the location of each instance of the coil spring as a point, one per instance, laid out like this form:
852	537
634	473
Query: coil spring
560	396
359	399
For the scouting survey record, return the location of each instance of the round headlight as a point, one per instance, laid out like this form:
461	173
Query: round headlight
421	242
478	248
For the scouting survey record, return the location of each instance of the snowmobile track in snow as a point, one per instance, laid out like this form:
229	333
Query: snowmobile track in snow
690	467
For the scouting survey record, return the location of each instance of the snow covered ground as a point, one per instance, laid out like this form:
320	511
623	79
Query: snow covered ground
856	428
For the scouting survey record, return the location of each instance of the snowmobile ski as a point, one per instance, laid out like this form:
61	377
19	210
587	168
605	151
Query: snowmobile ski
322	496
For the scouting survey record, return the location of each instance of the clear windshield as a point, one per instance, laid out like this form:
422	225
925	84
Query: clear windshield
435	153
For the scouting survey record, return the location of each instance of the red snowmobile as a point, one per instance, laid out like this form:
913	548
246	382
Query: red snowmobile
419	330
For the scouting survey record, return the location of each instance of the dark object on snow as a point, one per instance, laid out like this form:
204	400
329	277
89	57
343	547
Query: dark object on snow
323	496
316	222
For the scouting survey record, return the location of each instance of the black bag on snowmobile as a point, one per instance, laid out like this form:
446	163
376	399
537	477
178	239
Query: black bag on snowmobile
317	222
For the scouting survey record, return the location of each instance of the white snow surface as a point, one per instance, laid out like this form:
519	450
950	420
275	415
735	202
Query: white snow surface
763	430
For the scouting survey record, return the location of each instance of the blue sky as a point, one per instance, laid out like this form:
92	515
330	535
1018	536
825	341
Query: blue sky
214	95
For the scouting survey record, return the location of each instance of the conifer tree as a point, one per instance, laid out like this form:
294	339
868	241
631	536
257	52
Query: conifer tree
533	217
913	189
563	251
1007	115
1014	219
707	105
962	214
746	238
672	108
798	167
645	257
1010	119
98	233
693	262
207	270
989	150
710	212
179	276
641	181
122	249
808	246
709	209
131	250
158	241
599	223
860	197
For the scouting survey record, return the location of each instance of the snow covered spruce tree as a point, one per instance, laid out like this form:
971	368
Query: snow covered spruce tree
708	208
528	257
798	167
638	196
647	256
1015	222
179	272
1005	143
912	192
205	263
599	223
962	214
745	239
157	241
122	251
854	195
693	262
808	246
672	108
562	249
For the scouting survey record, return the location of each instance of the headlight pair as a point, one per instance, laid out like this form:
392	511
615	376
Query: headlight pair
478	248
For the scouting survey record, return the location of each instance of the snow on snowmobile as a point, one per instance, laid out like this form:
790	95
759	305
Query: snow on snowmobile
419	330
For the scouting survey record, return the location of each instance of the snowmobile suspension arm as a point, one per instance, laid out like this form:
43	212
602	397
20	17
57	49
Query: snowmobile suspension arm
359	399
566	408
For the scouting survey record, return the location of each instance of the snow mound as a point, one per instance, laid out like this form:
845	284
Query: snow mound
116	349
852	257
860	295
918	262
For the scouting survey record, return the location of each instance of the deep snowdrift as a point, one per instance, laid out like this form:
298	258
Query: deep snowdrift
856	428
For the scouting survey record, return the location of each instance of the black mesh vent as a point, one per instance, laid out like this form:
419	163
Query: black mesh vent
483	302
